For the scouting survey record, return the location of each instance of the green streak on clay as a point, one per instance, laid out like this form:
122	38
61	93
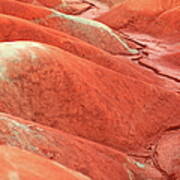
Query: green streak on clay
19	125
140	165
94	24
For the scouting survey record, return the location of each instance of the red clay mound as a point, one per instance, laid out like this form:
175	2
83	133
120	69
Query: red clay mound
55	88
90	31
19	164
23	30
112	3
47	3
101	100
167	23
43	16
87	8
168	151
94	160
23	10
136	16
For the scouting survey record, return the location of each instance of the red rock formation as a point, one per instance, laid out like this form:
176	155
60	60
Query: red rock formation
97	161
77	96
108	95
167	23
166	61
136	17
23	30
112	3
167	153
85	8
162	57
156	18
90	31
19	164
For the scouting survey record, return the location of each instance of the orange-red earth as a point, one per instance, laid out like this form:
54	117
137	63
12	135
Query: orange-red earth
89	90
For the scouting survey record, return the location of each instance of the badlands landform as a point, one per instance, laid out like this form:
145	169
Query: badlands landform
89	90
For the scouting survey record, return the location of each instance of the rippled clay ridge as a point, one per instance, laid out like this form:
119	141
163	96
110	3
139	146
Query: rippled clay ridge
89	90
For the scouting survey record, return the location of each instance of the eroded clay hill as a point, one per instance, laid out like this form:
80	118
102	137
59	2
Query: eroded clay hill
89	90
19	164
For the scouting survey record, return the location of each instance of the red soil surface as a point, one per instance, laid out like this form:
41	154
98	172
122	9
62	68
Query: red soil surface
137	17
168	23
81	98
24	30
84	8
18	164
168	152
96	161
101	99
88	32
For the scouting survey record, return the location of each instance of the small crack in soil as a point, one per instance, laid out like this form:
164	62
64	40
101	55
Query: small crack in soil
90	3
136	42
82	11
157	72
145	55
173	128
